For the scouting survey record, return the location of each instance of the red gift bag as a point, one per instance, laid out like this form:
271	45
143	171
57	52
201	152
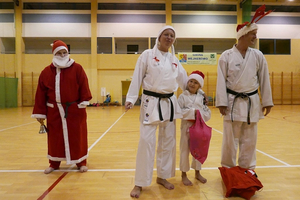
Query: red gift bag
240	182
200	135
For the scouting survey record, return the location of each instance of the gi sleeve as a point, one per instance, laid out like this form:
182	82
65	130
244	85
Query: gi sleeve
138	76
264	82
188	113
221	91
182	77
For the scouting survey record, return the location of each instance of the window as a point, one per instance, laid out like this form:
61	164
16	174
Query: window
130	45
275	46
57	6
6	5
7	45
197	48
104	45
36	45
206	45
131	6
132	49
204	7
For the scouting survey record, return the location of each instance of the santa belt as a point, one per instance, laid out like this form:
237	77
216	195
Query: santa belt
160	96
67	106
242	95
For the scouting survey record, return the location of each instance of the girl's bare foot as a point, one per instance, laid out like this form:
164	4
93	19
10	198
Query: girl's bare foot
165	183
136	191
48	170
83	169
199	177
185	179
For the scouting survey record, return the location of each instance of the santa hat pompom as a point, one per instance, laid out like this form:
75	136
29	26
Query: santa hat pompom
58	45
198	76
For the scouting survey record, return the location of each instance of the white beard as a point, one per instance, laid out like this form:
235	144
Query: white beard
61	61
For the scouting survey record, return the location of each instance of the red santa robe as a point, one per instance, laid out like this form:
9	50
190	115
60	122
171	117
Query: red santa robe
61	97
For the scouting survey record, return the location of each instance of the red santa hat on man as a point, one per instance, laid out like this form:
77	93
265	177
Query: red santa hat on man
198	76
246	27
58	45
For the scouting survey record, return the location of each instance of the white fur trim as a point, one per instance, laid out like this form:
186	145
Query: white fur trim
198	78
38	116
59	48
246	29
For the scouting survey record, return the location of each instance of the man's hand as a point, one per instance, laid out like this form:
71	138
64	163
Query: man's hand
41	120
266	110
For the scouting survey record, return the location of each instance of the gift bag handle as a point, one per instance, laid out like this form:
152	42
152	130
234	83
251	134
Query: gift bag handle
199	119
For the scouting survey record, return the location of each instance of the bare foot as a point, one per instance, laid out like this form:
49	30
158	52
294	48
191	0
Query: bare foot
199	177
185	179
165	183
136	191
83	169
48	170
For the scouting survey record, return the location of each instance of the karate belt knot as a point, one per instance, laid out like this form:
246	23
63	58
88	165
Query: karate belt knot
160	96
242	95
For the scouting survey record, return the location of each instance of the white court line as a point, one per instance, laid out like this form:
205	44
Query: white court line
89	149
261	152
132	170
105	132
16	126
123	170
70	168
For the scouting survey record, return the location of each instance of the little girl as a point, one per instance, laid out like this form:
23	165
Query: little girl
190	101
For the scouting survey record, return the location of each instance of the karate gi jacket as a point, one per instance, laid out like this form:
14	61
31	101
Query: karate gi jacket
160	74
188	104
243	75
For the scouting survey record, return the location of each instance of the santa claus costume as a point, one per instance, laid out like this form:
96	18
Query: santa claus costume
61	97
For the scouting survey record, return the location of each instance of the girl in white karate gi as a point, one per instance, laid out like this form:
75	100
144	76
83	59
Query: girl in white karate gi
190	101
159	72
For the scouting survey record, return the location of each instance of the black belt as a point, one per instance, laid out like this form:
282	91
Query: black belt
67	106
160	96
242	95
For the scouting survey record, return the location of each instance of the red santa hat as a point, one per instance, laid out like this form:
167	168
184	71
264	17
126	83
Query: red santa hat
58	45
243	29
198	76
246	27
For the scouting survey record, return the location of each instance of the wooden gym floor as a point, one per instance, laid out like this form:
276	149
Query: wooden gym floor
113	140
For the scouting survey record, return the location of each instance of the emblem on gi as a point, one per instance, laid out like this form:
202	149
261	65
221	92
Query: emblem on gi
43	128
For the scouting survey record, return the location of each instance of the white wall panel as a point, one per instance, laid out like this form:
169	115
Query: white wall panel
7	30
205	30
279	31
56	30
129	29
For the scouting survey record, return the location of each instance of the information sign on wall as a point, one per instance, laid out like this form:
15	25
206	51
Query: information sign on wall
198	58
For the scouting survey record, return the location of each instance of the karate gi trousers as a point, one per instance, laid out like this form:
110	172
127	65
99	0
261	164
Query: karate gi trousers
240	134
165	154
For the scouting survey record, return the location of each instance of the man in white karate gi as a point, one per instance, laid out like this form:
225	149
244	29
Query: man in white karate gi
242	71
